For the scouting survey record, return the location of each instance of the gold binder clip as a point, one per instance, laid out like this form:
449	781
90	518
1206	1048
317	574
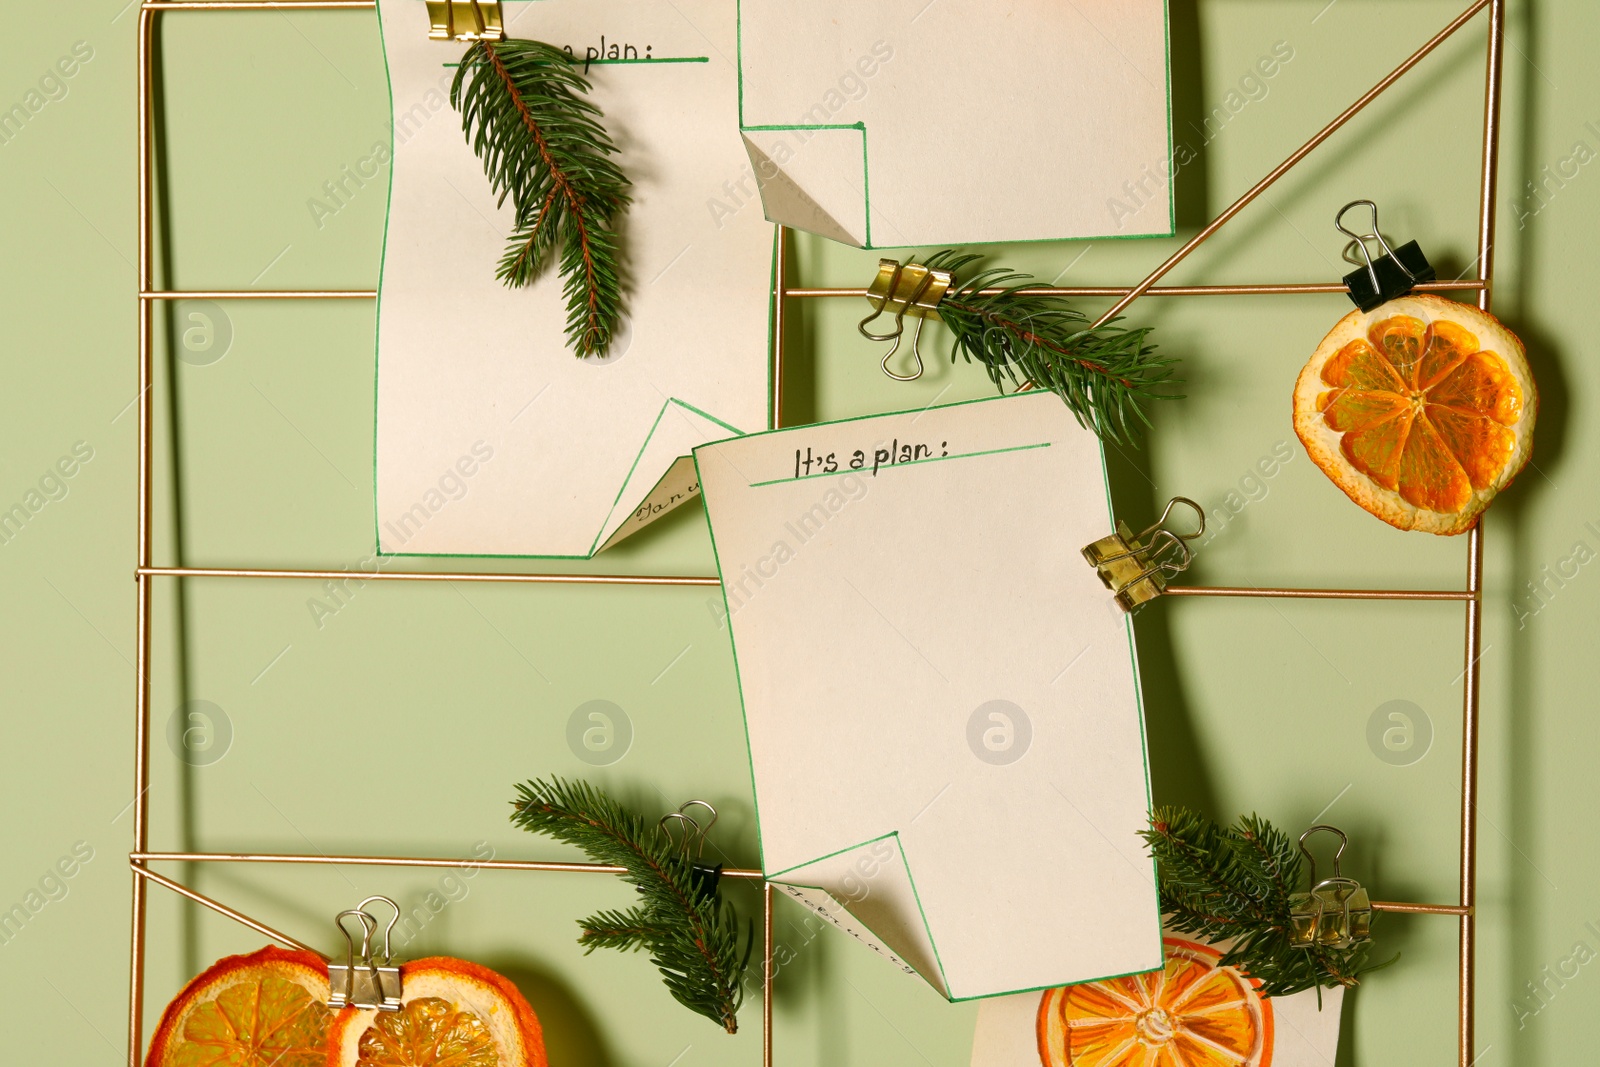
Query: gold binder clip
1137	569
465	20
364	982
911	289
1335	912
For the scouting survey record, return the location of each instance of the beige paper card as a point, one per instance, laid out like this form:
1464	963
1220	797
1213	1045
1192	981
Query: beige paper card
578	453
941	700
910	122
1189	1012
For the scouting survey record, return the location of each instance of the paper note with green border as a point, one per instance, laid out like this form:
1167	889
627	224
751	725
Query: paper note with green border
941	699
910	122
492	437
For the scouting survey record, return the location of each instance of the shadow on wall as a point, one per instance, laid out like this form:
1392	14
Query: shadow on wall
572	1036
169	525
1191	193
1513	519
1176	776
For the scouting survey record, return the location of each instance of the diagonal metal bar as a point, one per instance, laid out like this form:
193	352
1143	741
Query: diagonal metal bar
221	909
569	867
1283	168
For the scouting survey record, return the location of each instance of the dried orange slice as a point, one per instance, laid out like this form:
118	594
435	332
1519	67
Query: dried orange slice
267	1009
1192	1013
1420	410
453	1014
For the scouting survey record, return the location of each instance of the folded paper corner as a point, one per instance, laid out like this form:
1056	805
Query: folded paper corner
798	172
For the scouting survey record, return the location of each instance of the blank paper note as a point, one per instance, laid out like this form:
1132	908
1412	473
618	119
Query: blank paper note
941	699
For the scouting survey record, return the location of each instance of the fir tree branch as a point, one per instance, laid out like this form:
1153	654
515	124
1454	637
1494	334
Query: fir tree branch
1234	884
692	939
1106	374
622	930
525	111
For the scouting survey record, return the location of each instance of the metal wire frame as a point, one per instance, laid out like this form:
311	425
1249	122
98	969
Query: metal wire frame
145	572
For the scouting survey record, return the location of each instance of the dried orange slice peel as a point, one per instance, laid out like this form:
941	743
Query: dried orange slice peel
453	1014
1421	410
1191	1013
266	1009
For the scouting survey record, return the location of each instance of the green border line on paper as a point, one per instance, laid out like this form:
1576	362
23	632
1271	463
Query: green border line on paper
383	257
1138	697
383	252
907	463
587	63
866	186
733	646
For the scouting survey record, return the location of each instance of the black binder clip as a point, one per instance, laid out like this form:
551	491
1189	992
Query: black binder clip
690	835
1391	275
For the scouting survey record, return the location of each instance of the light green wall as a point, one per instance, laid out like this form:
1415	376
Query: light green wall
400	724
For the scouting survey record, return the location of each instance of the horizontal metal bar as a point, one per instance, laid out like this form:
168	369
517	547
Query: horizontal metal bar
1081	290
1174	290
702	580
1422	909
220	909
399	861
1321	594
138	858
434	576
260	294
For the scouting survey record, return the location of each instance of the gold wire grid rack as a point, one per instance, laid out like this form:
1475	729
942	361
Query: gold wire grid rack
1471	597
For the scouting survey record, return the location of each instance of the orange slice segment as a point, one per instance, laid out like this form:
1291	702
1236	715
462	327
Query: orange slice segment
453	1014
1421	411
266	1009
1192	1013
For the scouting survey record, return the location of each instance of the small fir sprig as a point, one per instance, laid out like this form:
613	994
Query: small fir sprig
692	939
1105	374
1233	884
525	110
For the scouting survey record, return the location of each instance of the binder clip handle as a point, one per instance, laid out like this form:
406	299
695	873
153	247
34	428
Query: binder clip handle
1311	861
1137	568
1391	275
388	931
904	289
369	926
364	982
1160	533
691	837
